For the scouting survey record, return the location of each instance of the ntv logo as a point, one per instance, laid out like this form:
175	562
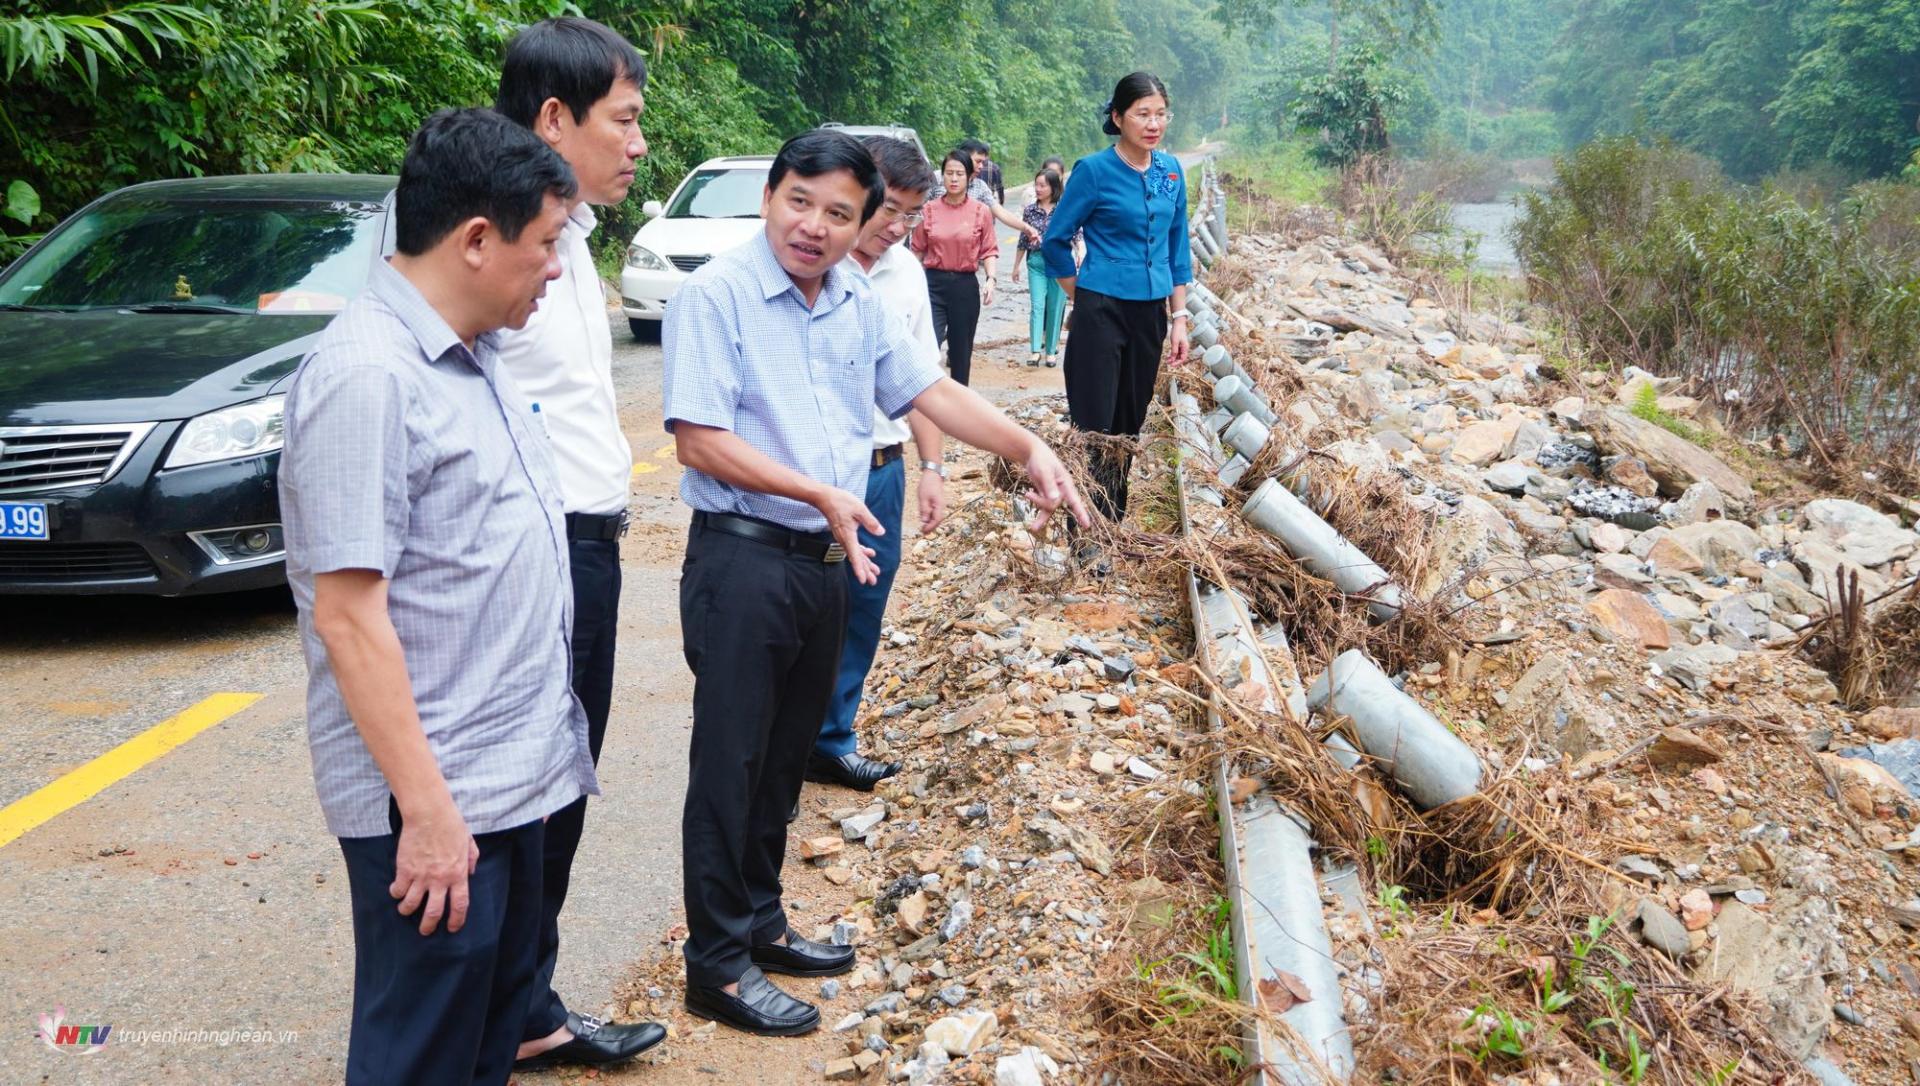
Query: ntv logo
85	1040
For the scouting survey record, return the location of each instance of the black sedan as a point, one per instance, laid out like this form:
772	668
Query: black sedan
145	348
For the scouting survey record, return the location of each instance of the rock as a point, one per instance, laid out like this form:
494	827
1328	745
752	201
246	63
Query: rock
1103	763
1696	909
1738	614
1568	409
1702	502
1629	617
1608	538
814	848
1622	571
1887	723
842	1070
891	1003
1139	768
830	989
1722	545
1823	561
1020	1069
856	826
1631	475
1508	477
1674	462
963	1034
1528	440
973	857
1866	536
1662	930
958	916
849	1023
1784	963
1679	748
1669	557
1484	442
1151	906
1695	667
1532	700
1092	853
912	913
1897	763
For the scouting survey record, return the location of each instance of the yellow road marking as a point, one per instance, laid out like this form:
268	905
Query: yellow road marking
645	467
91	779
666	450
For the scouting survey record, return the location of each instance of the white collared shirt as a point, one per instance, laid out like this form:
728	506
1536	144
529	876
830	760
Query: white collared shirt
563	362
901	284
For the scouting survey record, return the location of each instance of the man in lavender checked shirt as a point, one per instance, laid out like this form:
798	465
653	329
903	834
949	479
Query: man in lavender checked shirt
776	357
428	557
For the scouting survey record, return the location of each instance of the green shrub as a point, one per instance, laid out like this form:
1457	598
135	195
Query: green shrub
1793	319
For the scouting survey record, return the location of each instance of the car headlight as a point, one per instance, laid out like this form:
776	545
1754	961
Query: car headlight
638	256
247	429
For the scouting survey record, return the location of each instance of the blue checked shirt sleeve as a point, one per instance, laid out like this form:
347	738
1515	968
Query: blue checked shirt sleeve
902	369
344	469
702	357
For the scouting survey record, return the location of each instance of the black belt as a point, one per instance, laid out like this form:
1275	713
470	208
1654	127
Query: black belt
818	546
883	457
597	525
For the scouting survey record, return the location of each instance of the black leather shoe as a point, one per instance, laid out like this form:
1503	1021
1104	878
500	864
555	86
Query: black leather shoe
794	815
849	770
597	1044
799	957
759	1008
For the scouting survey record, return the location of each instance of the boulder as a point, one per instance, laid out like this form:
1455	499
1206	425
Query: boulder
1721	545
1484	442
1783	963
1673	461
1629	617
1702	502
1864	535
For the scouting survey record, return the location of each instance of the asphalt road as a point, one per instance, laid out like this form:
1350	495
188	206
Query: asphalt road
200	897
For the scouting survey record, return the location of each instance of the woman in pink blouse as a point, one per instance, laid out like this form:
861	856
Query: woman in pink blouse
955	241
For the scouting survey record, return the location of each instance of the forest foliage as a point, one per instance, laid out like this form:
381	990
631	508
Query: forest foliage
103	95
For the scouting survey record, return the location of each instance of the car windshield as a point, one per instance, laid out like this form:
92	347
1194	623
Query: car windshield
721	194
200	256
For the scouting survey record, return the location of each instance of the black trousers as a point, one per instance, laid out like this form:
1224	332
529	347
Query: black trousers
956	317
1112	362
596	618
762	630
442	1009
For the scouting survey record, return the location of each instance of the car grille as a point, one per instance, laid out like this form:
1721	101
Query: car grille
43	563
55	457
688	263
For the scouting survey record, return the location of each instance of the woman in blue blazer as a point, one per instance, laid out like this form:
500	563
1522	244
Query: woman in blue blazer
1130	201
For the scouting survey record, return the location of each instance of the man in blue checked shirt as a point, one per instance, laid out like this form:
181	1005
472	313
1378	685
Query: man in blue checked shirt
776	357
428	556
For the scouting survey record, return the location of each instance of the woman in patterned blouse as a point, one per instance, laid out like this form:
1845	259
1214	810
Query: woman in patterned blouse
1049	297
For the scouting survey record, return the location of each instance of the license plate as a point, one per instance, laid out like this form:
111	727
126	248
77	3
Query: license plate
23	520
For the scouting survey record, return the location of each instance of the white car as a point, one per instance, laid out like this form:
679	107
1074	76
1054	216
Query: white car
715	208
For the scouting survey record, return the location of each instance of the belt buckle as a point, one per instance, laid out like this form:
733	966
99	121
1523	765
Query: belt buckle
625	523
835	553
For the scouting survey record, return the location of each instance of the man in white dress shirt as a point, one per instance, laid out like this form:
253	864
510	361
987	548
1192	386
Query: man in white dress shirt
901	284
578	86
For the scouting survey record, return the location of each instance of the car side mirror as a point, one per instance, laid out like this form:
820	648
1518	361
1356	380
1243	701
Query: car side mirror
653	209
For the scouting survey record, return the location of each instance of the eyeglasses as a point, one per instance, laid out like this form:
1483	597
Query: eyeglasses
1144	117
909	219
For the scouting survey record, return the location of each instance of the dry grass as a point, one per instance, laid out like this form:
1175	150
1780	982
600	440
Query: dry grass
1871	648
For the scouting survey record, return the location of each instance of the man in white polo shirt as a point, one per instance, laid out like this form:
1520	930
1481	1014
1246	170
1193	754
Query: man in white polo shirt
901	284
578	86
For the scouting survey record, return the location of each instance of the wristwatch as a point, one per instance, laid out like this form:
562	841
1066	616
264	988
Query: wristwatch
934	466
1180	316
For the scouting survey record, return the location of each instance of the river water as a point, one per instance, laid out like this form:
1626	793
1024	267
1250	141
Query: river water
1488	223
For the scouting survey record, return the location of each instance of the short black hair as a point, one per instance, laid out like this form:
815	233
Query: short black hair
970	146
1131	88
1054	163
959	154
474	162
823	151
575	60
901	165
